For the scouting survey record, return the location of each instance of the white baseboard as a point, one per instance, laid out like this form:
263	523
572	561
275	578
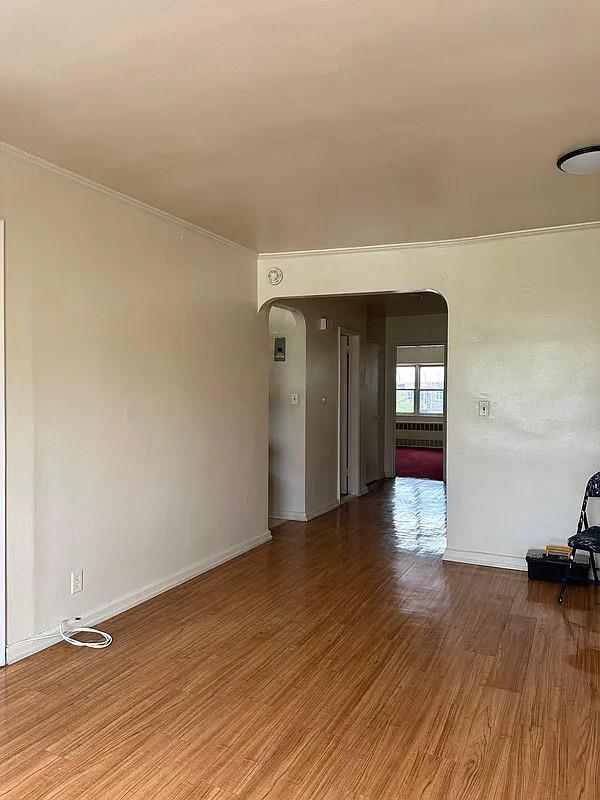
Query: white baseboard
296	516
299	516
317	512
28	647
485	559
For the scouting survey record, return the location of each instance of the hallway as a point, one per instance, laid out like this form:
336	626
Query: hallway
418	513
341	661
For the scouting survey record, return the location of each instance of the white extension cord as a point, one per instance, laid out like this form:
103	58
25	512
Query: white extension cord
105	638
67	635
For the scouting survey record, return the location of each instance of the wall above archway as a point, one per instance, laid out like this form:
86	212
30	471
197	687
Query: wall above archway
522	332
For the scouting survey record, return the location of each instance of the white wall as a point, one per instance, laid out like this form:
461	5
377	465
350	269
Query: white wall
287	422
322	382
523	330
137	373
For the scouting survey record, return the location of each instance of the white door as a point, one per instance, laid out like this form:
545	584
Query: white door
344	412
372	416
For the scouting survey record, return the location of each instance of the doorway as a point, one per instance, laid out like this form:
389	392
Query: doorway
349	414
344	414
334	398
416	386
420	406
374	409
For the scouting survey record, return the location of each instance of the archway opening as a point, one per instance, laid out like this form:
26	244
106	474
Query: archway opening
399	425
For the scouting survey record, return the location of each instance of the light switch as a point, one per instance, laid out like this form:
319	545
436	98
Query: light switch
294	398
484	408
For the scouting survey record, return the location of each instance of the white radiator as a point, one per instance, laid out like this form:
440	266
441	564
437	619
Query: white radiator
420	434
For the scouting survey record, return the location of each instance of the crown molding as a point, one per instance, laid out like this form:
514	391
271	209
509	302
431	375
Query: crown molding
486	237
22	156
16	154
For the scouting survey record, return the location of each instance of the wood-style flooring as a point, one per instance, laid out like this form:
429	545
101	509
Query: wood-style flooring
343	659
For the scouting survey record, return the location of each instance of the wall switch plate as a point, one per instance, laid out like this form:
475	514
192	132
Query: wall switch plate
294	398
484	408
77	581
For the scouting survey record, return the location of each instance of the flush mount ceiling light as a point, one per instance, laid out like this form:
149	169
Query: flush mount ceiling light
584	161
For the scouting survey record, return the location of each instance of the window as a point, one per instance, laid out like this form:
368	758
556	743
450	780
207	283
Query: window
420	389
406	376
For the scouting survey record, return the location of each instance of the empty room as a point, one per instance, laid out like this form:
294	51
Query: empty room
299	400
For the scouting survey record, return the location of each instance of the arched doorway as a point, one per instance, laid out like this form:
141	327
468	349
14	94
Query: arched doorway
383	325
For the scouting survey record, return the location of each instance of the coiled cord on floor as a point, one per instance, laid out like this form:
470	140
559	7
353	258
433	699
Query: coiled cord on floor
67	635
105	638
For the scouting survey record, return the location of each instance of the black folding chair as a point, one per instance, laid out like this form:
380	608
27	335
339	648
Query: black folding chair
587	538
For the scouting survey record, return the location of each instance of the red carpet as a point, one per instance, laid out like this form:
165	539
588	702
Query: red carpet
419	462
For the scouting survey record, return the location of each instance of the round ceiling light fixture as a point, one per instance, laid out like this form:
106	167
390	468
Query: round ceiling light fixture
584	161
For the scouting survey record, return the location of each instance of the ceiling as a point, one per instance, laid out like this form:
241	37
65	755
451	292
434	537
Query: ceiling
312	124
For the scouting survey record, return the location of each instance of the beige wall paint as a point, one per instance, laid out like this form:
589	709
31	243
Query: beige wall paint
287	422
137	377
523	328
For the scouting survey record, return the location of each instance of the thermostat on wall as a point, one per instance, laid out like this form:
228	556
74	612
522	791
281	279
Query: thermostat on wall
274	276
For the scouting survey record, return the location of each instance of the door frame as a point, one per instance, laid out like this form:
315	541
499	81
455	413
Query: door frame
354	413
3	617
379	349
390	404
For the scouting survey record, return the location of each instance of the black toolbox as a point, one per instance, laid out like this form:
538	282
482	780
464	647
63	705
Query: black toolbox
544	566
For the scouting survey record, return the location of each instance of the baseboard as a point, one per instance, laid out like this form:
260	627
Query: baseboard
485	559
389	473
19	650
318	512
295	516
298	516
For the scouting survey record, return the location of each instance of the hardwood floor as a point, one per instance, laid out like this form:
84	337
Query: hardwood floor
342	660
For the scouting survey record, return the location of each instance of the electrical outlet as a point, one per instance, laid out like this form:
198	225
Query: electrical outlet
77	581
484	408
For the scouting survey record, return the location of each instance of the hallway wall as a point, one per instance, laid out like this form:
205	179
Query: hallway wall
322	394
523	327
287	422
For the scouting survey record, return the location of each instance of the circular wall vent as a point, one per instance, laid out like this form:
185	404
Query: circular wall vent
274	276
